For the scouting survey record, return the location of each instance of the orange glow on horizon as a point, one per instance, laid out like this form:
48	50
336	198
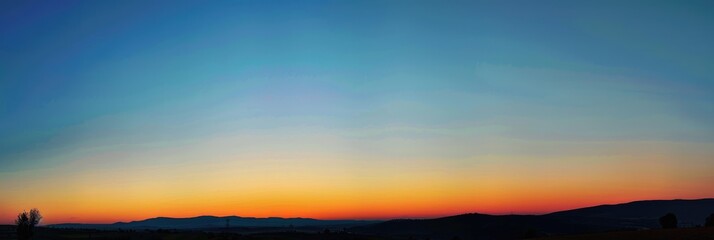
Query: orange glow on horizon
324	188
100	213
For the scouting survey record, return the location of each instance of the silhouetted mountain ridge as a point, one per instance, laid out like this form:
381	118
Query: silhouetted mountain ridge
203	222
687	211
632	215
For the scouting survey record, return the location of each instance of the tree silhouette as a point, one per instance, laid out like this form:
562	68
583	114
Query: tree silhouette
710	221
26	223
668	221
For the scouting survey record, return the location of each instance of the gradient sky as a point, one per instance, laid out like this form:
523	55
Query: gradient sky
124	110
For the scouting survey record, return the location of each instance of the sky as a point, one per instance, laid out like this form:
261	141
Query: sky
125	110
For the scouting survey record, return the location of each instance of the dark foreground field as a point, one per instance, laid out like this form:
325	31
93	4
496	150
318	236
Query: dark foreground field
6	232
52	234
657	234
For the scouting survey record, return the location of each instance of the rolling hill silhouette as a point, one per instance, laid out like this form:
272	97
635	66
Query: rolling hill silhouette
633	215
643	214
207	222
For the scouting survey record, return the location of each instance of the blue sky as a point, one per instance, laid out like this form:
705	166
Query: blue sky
365	80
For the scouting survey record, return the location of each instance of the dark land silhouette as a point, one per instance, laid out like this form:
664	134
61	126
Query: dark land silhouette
639	215
230	222
634	220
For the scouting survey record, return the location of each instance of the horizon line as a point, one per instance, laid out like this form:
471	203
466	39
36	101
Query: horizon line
387	219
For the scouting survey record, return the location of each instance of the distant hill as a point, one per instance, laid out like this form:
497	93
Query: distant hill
643	214
207	222
634	215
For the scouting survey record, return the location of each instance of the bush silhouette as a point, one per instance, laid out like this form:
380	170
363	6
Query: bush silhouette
710	221
26	223
668	221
